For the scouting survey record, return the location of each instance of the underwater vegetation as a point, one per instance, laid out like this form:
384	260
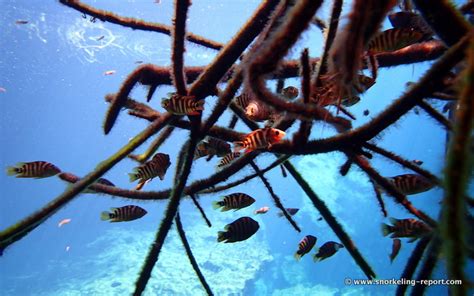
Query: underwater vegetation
279	122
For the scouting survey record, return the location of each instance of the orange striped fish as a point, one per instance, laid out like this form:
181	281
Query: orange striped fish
260	138
406	228
35	169
228	159
234	201
393	39
182	105
126	213
157	166
305	245
239	230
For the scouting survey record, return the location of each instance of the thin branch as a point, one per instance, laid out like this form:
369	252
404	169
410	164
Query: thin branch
179	31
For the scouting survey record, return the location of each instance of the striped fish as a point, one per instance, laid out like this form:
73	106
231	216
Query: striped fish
290	92
157	166
258	111
409	184
411	20
243	100
212	146
182	105
234	201
406	228
126	213
305	245
35	169
260	138
239	230
327	250
228	159
393	39
328	94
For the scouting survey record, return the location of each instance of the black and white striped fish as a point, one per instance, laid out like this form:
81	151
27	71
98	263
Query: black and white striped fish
393	39
409	184
182	105
126	213
243	100
234	201
35	169
211	146
305	246
239	230
227	159
150	169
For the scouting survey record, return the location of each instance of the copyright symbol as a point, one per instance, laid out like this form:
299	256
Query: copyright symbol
347	281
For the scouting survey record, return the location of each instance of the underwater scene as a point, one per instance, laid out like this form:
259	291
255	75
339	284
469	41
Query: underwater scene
238	147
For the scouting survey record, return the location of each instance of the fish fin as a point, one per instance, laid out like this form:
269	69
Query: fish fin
215	205
297	256
193	113
221	236
238	146
133	177
386	229
316	258
12	171
200	105
225	209
104	216
393	220
140	185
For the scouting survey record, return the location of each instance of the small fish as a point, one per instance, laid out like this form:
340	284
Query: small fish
35	169
100	38
3	89
109	72
417	162
243	100
406	228
21	22
290	211
396	246
211	146
157	166
227	159
126	213
260	138
262	210
411	20
182	105
409	184
366	112
234	201
63	222
290	92
258	111
239	230
101	181
320	219
305	246
68	248
138	62
393	39
327	250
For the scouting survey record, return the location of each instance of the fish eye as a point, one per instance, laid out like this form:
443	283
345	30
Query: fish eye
277	133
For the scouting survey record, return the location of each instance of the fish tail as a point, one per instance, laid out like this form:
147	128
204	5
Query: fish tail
140	185
104	216
215	205
386	229
133	177
316	258
221	236
297	256
12	171
238	145
200	105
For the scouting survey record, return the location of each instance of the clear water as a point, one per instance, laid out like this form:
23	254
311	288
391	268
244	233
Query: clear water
53	109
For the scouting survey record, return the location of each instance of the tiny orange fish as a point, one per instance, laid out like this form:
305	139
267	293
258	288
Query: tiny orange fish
260	138
109	72
262	210
63	222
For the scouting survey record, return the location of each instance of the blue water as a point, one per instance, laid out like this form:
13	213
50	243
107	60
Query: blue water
53	109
